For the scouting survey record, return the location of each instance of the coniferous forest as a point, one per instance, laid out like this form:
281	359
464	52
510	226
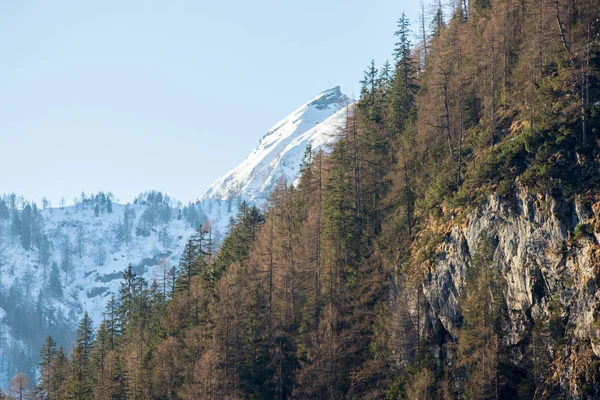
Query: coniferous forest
332	292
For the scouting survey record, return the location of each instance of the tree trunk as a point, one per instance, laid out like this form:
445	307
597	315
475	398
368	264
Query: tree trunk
447	118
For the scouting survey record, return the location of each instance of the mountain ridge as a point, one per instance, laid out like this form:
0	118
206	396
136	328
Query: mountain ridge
279	152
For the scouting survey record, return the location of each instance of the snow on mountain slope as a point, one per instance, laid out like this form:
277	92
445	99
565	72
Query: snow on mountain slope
96	274
280	151
77	266
278	154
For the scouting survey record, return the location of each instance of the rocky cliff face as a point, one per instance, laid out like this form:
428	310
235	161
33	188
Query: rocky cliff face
546	251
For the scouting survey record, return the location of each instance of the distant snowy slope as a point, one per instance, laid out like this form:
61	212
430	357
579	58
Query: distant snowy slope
280	151
74	263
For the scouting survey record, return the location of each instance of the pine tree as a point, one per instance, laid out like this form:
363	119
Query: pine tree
98	357
404	87
4	210
126	293
85	335
66	263
368	84
47	364
15	226
26	220
112	321
190	264
437	24
44	251
54	284
62	369
79	383
242	234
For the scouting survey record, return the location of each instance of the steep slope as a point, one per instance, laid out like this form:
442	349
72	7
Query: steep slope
280	150
548	268
278	155
74	265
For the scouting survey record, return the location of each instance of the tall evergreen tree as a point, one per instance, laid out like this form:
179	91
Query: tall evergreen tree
54	284
47	379
79	383
15	226
126	296
26	220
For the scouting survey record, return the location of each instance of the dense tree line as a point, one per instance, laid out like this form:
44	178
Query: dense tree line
322	295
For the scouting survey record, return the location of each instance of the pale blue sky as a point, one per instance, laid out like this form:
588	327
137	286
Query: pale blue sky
125	96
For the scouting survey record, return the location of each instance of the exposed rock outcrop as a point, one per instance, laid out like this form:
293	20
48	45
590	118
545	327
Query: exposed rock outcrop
546	250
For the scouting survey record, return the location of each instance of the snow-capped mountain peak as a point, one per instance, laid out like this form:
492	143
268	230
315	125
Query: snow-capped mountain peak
280	151
327	98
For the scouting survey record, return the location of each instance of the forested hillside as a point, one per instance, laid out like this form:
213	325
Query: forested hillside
447	246
56	263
